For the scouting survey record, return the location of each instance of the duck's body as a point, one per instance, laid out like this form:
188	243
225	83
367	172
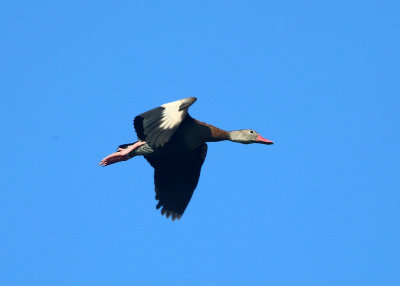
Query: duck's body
174	144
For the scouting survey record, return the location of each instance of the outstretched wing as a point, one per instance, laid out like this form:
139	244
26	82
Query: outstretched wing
156	126
176	178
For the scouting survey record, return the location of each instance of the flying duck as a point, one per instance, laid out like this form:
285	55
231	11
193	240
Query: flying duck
174	144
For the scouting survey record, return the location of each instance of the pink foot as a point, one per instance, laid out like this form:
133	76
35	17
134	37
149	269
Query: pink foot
120	155
114	158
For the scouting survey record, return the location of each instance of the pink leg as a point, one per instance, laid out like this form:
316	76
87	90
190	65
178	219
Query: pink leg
120	155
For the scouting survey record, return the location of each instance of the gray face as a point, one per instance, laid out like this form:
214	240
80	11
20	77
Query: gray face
245	136
248	136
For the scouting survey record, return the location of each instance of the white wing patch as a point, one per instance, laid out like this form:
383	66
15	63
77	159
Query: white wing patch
171	115
156	126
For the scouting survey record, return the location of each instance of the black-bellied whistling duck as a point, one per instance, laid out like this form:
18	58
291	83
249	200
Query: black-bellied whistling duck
174	144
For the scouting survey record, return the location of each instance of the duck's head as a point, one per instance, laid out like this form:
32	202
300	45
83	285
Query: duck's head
248	136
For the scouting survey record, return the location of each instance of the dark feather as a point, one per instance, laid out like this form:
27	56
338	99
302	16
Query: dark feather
176	178
138	121
124	146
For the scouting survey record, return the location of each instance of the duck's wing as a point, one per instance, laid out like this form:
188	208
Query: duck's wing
156	126
176	178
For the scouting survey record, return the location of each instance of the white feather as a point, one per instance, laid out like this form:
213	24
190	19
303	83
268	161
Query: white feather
167	119
171	115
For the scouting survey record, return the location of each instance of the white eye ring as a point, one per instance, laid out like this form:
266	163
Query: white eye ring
251	131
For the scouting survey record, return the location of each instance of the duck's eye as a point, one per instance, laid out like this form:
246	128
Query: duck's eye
251	131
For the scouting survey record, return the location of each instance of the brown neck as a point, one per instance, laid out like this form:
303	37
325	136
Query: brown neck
214	134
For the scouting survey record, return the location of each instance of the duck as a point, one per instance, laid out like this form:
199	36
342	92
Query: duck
175	145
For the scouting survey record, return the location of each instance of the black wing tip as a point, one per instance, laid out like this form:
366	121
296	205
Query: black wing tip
172	214
169	213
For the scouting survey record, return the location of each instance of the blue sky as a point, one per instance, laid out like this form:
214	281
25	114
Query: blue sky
319	78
